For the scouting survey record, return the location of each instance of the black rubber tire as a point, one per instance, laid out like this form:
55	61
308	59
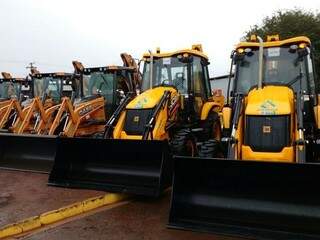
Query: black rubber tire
212	127
183	143
210	149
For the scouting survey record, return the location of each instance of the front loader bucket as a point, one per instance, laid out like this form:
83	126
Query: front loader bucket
27	152
264	200
128	166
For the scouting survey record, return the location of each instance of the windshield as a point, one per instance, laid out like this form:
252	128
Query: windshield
99	83
169	71
49	85
9	90
280	66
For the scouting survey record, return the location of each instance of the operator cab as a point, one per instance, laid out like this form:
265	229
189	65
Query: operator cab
185	70
51	85
10	88
287	63
275	84
110	82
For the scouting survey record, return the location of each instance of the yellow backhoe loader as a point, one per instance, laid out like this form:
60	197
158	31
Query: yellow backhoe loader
261	180
174	112
101	91
47	89
97	92
18	148
10	95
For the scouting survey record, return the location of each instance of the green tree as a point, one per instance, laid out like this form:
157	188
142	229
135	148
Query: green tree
292	23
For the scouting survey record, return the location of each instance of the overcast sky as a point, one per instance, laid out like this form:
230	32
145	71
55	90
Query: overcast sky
95	32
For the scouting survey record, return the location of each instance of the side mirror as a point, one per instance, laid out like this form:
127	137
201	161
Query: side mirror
232	53
238	57
23	98
302	53
120	93
99	92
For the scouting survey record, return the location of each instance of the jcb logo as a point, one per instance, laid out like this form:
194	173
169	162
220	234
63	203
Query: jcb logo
136	119
266	129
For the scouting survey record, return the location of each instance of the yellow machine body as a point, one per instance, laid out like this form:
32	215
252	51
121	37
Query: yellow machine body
135	156
148	100
268	100
264	102
264	185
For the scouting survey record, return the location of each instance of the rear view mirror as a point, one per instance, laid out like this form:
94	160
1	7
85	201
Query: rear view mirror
302	52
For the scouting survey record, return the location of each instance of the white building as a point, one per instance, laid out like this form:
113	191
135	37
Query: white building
221	82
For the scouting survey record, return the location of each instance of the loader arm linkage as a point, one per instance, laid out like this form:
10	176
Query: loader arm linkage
116	115
150	125
23	123
13	106
43	127
80	114
66	106
300	142
232	141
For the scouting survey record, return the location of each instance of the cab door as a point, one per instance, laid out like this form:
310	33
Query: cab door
200	84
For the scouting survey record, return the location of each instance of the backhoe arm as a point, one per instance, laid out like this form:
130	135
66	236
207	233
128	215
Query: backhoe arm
66	107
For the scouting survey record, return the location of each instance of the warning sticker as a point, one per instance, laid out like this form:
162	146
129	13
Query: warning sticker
268	107
274	52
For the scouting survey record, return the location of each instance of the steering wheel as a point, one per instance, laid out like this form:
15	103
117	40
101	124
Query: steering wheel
165	82
98	90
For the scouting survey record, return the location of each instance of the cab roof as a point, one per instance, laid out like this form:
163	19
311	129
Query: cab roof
275	42
196	50
53	75
13	79
110	68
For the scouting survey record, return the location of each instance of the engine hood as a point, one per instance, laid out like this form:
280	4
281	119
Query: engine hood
270	100
149	98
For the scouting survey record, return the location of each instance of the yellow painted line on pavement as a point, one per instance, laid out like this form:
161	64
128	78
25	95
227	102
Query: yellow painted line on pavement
60	214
